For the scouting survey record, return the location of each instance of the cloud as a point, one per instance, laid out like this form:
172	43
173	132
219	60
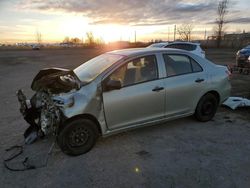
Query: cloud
196	6
133	12
240	20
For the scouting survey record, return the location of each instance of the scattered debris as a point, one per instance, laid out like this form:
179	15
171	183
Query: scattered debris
17	150
235	102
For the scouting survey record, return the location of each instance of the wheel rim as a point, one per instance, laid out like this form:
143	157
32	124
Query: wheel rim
78	137
208	108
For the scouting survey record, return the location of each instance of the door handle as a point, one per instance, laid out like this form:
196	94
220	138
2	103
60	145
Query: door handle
157	88
198	80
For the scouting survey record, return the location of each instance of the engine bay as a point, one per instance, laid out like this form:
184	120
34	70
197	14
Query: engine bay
43	110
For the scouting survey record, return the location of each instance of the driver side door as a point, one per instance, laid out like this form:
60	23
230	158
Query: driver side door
141	97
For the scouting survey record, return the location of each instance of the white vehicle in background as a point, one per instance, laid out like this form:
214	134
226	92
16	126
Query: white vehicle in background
158	45
188	46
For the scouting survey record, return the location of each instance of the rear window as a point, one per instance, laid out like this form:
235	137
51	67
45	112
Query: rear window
187	47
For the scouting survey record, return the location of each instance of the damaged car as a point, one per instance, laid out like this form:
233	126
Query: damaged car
121	90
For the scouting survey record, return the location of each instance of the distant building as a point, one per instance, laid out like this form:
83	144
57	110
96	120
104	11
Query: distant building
232	40
238	36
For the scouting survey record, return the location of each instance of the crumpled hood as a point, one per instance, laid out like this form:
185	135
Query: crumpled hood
55	80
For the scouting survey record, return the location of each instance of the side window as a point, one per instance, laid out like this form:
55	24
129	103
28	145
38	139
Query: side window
136	71
180	64
196	67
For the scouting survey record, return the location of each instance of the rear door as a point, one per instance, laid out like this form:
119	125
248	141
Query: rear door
141	98
184	83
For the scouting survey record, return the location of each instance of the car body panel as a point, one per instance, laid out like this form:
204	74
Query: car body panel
182	93
133	104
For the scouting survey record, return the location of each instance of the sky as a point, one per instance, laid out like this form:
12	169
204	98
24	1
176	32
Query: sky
113	20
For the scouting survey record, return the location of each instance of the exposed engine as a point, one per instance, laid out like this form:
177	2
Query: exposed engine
49	115
42	111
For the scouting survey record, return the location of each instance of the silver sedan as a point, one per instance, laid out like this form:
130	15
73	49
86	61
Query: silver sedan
121	90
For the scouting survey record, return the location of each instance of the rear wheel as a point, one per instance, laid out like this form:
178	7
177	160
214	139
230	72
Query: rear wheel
206	107
77	137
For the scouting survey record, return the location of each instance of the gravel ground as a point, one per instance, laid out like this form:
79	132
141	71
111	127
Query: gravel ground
180	153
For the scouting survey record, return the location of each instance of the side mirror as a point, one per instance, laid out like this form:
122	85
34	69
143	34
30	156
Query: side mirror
113	84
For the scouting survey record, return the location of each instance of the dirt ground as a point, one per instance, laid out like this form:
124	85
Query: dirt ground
180	153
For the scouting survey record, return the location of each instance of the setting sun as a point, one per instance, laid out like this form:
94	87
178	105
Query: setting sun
112	32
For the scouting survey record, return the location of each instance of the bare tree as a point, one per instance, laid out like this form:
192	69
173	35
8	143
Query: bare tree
99	41
75	40
185	31
90	38
66	40
38	36
222	10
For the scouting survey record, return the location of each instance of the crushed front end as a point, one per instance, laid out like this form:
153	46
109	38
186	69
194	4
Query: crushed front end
44	110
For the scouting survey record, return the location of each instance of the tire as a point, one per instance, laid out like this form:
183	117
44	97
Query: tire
78	137
206	107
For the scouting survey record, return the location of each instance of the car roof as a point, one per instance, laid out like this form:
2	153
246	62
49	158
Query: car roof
160	43
183	42
139	51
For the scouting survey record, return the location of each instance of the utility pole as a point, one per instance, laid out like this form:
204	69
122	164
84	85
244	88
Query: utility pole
168	33
174	31
135	36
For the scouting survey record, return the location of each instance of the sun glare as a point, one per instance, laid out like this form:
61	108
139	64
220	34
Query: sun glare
112	32
75	26
78	26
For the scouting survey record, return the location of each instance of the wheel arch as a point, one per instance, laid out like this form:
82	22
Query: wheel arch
213	92
82	116
216	94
